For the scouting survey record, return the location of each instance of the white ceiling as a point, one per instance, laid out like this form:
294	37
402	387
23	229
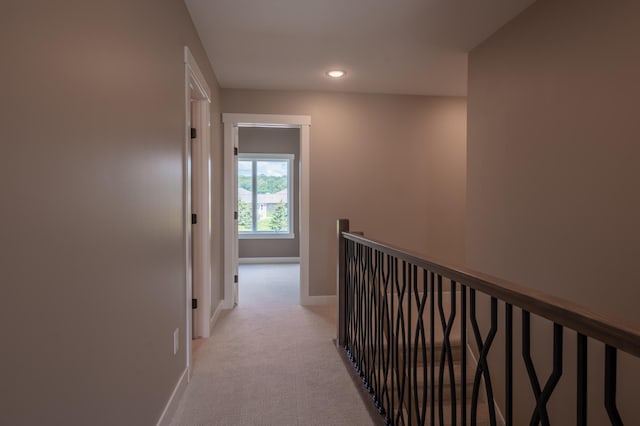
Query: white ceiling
386	46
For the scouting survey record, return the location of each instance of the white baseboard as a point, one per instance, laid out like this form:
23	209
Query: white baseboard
317	300
172	404
268	260
215	316
227	303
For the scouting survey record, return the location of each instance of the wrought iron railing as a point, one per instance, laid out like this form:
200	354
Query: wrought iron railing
404	322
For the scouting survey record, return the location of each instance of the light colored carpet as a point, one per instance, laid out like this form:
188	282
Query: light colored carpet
271	364
269	284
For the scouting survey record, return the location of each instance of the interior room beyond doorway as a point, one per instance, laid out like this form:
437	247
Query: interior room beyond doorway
269	284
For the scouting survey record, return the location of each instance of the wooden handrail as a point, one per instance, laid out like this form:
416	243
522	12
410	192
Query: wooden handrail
608	329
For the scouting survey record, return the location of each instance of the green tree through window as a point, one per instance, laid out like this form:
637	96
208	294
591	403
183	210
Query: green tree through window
245	217
279	220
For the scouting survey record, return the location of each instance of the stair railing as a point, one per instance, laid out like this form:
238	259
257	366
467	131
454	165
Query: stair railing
411	347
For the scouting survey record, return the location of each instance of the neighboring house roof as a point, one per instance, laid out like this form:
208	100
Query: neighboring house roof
244	195
276	198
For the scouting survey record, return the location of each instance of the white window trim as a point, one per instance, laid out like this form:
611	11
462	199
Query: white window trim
262	235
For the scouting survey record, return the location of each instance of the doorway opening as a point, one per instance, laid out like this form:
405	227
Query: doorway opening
268	179
233	123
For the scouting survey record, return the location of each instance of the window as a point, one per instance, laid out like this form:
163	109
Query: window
264	195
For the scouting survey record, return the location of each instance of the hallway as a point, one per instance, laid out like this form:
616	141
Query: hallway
271	363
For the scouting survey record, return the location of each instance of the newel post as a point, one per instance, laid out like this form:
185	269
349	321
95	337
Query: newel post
343	226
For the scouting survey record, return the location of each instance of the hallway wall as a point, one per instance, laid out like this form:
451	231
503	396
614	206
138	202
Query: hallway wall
394	165
552	184
91	222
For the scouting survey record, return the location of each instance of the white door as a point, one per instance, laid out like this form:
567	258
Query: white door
194	316
235	251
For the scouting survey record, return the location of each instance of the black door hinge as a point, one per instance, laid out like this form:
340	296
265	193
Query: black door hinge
235	215
193	133
235	150
235	278
194	218
194	303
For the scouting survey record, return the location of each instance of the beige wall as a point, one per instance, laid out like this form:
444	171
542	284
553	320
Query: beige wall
394	165
91	222
267	140
552	184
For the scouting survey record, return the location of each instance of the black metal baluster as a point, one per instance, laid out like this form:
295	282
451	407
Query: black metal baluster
441	366
352	302
363	316
410	277
359	309
373	309
526	354
373	381
463	338
432	349
582	380
557	366
610	379
446	355
356	293
508	364
361	313
377	298
420	342
374	326
400	349
368	322
352	292
385	344
364	300
349	300
482	370
392	343
540	414
452	374
346	296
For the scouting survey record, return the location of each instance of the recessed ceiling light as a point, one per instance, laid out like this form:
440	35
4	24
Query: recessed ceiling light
336	73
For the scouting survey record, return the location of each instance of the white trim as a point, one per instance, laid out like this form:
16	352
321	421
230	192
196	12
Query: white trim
317	300
265	236
174	399
215	315
266	120
198	77
230	228
305	161
264	155
231	123
267	260
201	205
254	158
196	92
186	209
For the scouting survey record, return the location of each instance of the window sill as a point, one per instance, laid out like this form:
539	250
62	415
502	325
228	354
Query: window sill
266	236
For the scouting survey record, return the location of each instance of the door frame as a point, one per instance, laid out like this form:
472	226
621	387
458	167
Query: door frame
197	164
231	124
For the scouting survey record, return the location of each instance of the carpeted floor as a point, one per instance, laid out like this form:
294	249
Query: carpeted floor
269	284
271	363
